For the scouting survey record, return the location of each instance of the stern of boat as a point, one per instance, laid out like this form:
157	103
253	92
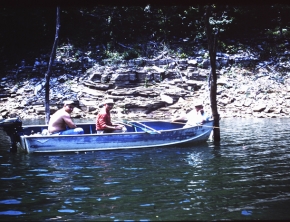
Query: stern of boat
13	128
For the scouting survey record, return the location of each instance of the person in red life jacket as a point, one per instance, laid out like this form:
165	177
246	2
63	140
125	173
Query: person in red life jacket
103	120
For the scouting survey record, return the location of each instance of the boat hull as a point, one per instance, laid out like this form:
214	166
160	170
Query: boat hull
159	136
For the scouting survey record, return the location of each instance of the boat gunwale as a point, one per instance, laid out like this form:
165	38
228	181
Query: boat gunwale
106	134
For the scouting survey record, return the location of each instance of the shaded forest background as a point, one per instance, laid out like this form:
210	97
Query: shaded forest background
28	32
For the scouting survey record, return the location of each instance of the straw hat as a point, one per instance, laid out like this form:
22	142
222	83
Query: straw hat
197	103
108	101
69	102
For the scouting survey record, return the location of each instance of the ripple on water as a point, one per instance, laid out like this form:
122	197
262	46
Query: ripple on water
111	183
66	211
246	212
50	175
246	176
10	201
11	212
38	170
81	188
146	205
137	190
49	193
10	178
114	198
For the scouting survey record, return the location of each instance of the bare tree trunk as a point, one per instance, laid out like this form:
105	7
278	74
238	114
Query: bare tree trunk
51	60
280	24
212	46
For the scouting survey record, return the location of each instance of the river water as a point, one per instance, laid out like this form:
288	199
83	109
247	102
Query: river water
246	177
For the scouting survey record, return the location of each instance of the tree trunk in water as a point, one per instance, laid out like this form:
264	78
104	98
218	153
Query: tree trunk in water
48	73
212	46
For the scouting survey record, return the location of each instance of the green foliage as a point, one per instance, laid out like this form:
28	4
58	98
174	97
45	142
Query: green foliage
69	84
131	54
70	55
231	49
115	56
180	53
182	56
276	33
31	29
206	55
146	83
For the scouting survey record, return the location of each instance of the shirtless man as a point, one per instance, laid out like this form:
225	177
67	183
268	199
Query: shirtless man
61	120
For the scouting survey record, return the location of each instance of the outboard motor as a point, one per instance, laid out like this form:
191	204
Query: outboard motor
13	128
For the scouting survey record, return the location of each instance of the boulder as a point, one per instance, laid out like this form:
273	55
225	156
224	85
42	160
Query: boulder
259	107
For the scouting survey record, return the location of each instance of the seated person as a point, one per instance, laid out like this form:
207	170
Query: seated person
195	117
61	123
103	120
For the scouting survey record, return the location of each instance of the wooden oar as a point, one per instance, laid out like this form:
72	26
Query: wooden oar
178	122
126	124
131	125
197	125
142	128
148	127
210	126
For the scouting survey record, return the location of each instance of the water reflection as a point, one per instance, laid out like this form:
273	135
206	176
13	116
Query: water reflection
10	201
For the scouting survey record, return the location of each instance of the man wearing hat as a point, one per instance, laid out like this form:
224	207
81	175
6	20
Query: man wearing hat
103	120
61	123
197	116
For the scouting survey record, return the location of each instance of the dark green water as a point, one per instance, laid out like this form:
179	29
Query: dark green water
246	177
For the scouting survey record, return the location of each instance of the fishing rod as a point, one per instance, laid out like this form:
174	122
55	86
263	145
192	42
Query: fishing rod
197	125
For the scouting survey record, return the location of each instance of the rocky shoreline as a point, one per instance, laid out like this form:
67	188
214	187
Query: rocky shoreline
158	88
